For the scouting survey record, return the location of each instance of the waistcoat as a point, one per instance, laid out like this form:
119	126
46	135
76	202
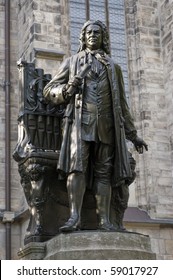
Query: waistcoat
97	115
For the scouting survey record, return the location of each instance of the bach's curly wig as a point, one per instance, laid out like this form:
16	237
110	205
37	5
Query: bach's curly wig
105	34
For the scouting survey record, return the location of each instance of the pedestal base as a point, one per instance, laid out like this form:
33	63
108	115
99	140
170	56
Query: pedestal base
32	251
91	245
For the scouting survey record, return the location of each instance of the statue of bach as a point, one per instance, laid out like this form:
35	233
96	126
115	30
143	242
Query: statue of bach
96	124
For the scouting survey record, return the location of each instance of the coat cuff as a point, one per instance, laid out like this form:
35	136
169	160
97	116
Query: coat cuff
56	95
131	136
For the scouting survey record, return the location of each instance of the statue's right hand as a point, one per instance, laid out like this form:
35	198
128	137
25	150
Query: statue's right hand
76	81
72	86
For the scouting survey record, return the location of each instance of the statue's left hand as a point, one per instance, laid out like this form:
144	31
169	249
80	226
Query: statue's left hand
140	144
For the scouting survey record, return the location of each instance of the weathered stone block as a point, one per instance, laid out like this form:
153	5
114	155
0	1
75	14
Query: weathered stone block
91	245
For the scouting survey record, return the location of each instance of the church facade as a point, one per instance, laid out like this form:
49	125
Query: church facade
142	43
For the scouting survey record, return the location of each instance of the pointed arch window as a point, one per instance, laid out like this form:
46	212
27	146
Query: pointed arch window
112	13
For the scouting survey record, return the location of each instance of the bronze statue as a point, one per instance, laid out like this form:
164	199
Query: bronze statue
97	123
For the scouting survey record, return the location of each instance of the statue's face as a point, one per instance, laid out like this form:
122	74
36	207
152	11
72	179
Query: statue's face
93	37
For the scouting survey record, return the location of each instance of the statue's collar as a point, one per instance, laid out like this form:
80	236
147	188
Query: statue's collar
99	54
94	52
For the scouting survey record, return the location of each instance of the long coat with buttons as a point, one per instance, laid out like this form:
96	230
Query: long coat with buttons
70	159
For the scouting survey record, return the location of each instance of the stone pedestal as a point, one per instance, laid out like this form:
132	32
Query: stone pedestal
91	245
32	251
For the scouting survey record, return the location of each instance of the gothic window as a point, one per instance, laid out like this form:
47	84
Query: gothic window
112	13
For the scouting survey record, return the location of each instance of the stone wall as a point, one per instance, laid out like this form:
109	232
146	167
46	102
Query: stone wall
2	102
17	201
161	239
166	25
43	27
149	104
